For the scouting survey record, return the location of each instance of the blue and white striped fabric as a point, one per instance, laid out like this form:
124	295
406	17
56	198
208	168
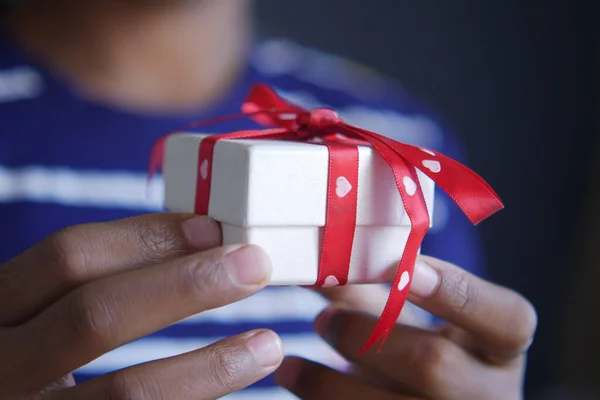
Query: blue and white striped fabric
65	161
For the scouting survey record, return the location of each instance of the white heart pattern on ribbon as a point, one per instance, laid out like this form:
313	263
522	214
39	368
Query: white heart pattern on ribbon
330	281
342	187
432	165
409	185
288	116
204	169
404	280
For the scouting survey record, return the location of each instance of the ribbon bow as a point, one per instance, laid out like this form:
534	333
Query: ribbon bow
323	127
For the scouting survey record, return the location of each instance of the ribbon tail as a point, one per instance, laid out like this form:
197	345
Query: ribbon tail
156	157
467	189
156	161
416	210
399	292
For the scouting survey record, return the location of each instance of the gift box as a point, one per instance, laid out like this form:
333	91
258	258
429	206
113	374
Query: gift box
274	194
330	202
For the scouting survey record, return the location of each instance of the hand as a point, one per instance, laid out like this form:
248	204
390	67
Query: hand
480	354
91	288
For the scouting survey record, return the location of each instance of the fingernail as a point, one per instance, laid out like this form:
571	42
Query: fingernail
248	265
288	373
266	348
202	232
327	323
425	280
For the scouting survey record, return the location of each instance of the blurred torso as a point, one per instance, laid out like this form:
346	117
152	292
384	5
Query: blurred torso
66	161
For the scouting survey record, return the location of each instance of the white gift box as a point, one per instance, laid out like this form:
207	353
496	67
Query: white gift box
273	194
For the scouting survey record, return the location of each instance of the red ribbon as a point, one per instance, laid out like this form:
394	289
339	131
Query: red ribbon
323	127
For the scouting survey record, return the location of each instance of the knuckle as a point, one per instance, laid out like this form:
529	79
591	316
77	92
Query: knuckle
157	238
460	292
436	357
201	280
68	253
90	319
227	366
125	386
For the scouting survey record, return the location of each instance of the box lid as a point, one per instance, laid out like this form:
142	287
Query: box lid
277	183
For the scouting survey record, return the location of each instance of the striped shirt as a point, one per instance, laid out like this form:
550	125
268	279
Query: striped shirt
65	160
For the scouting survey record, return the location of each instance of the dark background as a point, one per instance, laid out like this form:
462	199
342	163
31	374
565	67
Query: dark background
516	80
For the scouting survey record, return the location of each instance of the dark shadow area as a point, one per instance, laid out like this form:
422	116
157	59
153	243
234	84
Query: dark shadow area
517	81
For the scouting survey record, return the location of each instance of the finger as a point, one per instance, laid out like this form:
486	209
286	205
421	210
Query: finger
309	380
105	314
46	393
376	378
421	361
371	299
501	321
209	373
84	253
